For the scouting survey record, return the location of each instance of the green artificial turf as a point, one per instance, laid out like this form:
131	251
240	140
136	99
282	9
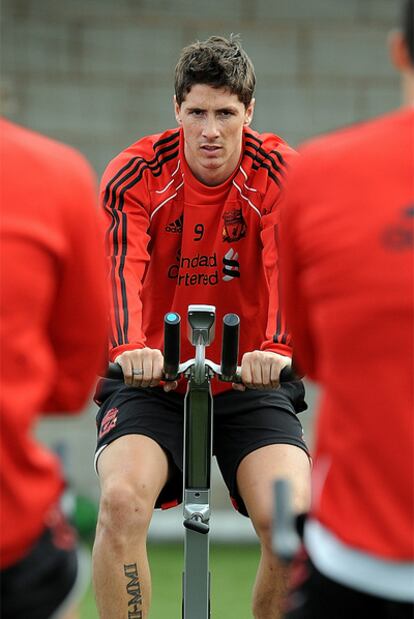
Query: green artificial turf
233	571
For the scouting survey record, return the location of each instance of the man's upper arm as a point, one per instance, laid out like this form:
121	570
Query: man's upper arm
277	333
125	202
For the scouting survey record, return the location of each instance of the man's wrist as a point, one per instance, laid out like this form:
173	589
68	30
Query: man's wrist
115	352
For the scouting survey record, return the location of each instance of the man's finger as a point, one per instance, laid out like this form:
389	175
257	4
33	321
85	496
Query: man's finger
127	368
275	375
246	375
147	370
238	387
170	386
266	370
157	369
257	378
137	375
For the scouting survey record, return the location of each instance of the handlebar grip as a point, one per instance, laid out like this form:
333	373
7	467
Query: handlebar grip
230	346
172	323
114	371
288	374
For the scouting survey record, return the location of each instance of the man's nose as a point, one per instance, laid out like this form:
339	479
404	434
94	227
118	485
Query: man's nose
210	128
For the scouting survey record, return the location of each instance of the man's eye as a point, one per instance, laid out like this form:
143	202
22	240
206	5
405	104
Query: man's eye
226	113
197	112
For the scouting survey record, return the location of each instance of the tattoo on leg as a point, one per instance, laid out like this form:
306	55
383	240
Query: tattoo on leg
133	589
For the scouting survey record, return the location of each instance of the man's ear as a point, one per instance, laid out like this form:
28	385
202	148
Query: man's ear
248	115
177	110
398	50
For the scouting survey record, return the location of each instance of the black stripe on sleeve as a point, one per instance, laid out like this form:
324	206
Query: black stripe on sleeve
115	178
122	278
280	337
280	158
120	206
265	155
116	304
130	169
170	138
145	166
139	165
259	163
112	186
274	151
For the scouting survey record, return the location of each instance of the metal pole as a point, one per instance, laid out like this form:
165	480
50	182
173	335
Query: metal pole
197	473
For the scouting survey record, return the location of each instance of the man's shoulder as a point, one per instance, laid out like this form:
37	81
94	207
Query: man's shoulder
267	142
148	155
266	158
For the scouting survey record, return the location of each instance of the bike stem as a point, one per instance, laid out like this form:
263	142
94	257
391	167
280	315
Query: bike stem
198	435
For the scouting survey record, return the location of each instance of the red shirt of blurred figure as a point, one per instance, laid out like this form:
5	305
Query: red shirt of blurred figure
53	325
347	232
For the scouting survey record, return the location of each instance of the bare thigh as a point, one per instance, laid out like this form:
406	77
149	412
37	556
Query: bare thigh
258	471
135	461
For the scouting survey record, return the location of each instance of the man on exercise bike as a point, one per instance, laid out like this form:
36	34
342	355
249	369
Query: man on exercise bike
193	218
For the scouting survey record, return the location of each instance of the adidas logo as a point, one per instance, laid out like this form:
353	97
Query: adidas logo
175	226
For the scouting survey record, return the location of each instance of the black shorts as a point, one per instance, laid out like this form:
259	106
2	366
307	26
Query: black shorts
314	596
243	422
43	581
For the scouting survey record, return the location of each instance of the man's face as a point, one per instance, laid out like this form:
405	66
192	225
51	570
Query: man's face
212	120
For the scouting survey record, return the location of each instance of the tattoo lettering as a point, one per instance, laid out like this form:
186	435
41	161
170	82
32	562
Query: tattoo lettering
133	589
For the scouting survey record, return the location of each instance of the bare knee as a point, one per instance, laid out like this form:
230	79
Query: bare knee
125	510
263	527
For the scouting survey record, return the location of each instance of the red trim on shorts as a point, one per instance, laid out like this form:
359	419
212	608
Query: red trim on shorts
63	534
170	504
235	504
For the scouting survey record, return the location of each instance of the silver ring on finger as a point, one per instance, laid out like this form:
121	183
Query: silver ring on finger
137	372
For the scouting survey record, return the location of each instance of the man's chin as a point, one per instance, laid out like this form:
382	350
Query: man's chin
211	174
212	164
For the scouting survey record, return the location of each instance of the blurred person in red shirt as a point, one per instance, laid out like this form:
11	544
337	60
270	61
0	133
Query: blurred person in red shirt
53	334
347	263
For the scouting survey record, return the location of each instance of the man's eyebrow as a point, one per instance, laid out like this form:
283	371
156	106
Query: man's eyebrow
226	108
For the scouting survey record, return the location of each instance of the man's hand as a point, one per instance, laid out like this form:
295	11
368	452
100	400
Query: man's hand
143	368
261	370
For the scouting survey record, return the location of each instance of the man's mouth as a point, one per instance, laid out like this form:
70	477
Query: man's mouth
210	148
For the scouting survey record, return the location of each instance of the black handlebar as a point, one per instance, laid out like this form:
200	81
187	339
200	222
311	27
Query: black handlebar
288	374
114	372
229	351
172	324
230	345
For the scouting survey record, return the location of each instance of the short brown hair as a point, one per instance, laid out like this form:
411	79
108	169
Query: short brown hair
218	62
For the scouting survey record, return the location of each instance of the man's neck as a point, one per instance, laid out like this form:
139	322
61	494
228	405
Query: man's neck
214	176
210	178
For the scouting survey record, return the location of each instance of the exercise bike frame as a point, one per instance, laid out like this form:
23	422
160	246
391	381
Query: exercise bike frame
198	436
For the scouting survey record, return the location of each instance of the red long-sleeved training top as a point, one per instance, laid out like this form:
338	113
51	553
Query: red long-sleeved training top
53	317
347	252
173	241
